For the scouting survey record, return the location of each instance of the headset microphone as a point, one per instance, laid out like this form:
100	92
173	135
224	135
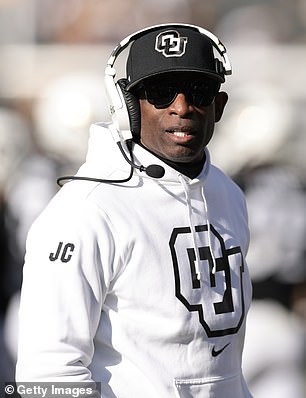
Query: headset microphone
153	170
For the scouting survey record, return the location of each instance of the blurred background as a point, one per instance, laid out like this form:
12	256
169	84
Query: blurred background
53	55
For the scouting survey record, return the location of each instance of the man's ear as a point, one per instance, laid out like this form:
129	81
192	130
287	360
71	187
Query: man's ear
220	102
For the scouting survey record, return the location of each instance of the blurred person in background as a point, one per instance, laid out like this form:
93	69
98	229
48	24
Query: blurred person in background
27	184
14	147
276	203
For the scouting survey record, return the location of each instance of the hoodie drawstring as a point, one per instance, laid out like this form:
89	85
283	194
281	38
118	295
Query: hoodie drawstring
197	259
192	227
209	232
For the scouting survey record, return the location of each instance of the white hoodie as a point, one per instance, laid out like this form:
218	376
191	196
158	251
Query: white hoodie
145	283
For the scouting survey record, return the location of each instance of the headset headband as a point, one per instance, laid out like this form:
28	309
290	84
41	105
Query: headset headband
134	36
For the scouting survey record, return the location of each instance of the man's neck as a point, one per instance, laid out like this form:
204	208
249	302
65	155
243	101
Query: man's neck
191	170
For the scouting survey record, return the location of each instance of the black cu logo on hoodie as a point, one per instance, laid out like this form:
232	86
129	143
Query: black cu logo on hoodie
218	296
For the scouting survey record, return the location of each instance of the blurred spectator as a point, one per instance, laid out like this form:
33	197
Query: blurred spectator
14	147
6	362
274	354
30	190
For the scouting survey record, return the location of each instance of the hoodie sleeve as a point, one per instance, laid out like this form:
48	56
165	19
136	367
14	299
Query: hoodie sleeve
65	279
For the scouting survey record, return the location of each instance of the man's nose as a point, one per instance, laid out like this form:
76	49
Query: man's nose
181	105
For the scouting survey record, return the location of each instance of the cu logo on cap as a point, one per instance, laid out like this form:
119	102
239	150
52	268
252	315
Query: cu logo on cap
171	44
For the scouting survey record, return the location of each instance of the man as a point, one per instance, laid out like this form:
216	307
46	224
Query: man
138	272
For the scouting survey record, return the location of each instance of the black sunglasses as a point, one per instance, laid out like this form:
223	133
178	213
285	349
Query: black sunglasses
161	93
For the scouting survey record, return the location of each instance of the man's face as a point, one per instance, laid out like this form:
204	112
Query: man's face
181	130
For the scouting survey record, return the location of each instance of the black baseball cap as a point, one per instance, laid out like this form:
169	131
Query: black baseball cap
172	48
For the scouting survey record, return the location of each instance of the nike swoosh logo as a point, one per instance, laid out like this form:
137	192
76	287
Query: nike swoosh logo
215	352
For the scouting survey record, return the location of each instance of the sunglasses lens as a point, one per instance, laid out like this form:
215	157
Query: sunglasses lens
161	96
198	93
203	93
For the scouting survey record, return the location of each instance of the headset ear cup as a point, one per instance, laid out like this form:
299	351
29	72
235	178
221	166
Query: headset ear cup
132	104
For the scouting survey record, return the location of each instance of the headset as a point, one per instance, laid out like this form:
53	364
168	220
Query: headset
123	105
